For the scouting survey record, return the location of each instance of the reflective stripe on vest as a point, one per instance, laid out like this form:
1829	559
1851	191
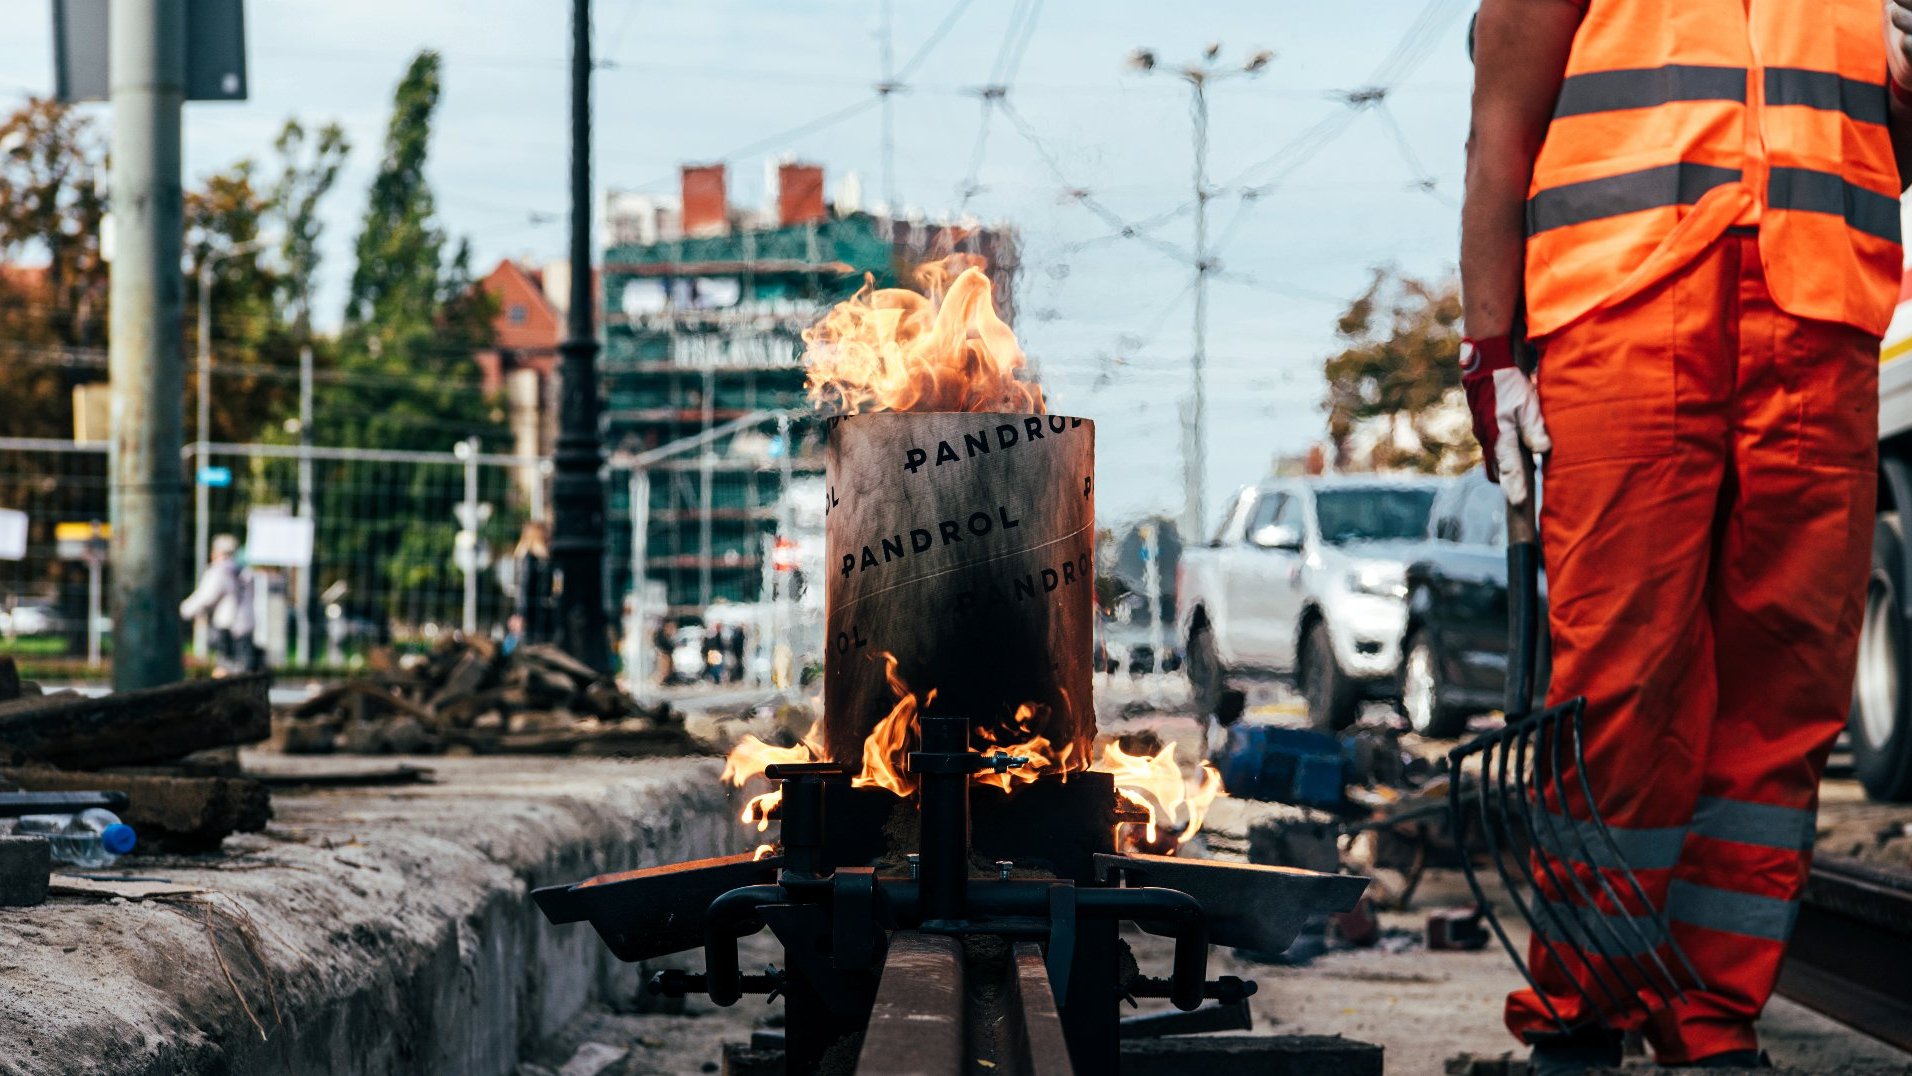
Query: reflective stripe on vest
1648	158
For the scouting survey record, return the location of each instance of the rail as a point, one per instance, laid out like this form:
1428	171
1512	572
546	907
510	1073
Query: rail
1851	951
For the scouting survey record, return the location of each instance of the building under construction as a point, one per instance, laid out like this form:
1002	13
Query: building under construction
704	308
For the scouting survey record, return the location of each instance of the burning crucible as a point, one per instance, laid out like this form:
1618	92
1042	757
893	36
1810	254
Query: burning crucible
961	554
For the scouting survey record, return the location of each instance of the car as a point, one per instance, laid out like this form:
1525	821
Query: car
1306	578
1454	653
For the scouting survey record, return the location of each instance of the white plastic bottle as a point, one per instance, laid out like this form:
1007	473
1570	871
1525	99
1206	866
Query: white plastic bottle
94	837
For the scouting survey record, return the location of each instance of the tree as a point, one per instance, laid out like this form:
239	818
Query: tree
251	346
54	287
1394	390
408	377
304	181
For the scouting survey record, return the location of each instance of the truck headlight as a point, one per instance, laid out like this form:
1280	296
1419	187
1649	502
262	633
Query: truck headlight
1379	580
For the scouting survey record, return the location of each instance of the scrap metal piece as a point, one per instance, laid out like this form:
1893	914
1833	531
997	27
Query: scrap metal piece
1251	906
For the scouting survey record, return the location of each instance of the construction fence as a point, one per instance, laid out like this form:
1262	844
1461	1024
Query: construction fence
402	547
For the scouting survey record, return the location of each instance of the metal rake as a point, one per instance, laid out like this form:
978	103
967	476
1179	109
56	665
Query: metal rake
1520	764
1558	869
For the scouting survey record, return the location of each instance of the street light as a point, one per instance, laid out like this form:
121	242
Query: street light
1199	74
202	499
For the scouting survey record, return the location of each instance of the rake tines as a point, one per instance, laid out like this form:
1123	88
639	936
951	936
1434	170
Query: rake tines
1556	869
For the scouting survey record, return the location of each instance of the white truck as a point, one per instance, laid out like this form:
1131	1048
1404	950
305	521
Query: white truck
1306	578
1881	723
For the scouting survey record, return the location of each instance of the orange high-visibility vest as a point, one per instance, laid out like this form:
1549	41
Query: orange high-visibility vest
1681	118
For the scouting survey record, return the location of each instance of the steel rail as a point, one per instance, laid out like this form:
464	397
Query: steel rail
1851	951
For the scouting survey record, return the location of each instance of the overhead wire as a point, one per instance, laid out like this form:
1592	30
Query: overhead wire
1002	71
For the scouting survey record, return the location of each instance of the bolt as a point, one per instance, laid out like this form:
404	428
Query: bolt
1003	867
916	865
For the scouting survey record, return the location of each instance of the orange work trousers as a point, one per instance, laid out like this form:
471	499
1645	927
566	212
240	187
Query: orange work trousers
1707	524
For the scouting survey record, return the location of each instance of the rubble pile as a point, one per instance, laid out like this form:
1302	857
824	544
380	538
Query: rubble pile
170	750
467	695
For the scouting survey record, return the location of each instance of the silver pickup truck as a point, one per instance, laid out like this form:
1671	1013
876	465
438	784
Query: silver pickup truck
1306	578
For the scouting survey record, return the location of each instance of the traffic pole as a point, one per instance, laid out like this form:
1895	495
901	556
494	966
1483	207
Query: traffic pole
145	357
577	491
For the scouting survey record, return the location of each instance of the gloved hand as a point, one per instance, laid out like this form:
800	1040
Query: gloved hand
1898	50
1506	412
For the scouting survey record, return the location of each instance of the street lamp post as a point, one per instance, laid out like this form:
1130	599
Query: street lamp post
1198	75
577	493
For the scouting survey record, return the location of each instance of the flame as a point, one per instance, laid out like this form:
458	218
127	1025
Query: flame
941	349
1152	782
763	851
1155	784
886	749
1039	754
749	759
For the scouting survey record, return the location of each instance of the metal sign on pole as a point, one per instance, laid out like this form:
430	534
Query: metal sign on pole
215	50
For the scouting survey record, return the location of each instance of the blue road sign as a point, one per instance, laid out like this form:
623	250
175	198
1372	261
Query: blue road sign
215	476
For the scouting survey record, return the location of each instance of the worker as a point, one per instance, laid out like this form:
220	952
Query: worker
1693	207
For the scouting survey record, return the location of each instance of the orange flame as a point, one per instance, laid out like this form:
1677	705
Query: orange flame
886	749
1155	784
1152	782
941	349
749	759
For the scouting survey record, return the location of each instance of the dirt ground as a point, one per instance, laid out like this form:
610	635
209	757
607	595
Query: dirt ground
1425	1008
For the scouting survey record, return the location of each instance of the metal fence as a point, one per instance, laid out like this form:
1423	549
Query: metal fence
388	563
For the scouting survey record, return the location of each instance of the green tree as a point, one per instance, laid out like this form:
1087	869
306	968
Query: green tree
306	176
253	349
1398	377
53	288
408	379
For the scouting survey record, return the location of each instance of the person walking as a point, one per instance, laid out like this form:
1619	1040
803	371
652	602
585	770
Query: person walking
224	597
1693	204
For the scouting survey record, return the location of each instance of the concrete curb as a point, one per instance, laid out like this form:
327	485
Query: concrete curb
394	923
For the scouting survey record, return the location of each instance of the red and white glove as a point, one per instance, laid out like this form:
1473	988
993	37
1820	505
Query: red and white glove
1898	51
1506	412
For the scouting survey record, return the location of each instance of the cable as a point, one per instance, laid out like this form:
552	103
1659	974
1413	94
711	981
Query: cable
929	43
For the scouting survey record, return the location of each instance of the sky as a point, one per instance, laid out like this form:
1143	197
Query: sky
1336	188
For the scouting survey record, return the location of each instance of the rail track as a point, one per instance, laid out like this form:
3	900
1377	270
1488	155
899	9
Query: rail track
1851	951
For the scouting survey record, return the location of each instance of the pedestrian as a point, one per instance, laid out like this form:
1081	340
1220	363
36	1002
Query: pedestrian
664	642
714	653
224	597
1694	206
733	644
534	615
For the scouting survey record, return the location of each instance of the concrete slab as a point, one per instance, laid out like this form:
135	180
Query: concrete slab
366	931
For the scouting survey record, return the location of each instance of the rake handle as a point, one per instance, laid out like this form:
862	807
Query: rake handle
1523	599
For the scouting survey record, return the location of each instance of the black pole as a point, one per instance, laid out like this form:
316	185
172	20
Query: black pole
577	496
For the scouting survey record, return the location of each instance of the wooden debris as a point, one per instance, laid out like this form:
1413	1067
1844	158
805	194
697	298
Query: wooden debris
132	728
175	814
470	696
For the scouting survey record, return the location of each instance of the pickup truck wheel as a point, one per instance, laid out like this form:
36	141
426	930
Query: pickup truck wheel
1206	677
1422	691
1333	701
1880	727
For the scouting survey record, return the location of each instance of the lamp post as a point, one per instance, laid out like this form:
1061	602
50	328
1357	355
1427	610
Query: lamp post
577	493
1198	75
